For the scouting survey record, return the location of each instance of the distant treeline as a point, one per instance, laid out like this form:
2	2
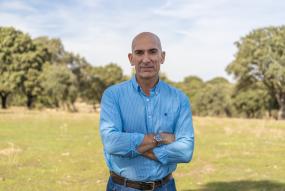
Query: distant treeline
41	73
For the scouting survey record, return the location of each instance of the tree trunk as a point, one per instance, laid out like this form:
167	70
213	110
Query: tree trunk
281	102
4	100
94	106
281	112
30	101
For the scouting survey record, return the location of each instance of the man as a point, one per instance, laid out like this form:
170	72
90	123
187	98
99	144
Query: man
145	124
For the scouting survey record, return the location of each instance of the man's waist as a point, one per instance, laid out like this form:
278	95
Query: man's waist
141	185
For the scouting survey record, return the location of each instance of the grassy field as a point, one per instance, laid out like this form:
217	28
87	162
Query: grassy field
48	151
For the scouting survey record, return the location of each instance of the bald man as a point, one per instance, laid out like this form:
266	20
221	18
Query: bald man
145	124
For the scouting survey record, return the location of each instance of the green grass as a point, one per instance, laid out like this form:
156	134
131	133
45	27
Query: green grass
61	151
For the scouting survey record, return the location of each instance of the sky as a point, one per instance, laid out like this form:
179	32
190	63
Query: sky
197	35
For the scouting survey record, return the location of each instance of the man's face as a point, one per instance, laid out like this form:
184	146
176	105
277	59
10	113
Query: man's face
146	56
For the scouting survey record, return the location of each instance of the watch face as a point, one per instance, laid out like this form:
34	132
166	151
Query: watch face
158	138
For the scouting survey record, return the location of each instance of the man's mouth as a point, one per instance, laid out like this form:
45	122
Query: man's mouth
147	68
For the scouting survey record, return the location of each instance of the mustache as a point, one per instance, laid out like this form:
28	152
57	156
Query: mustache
146	66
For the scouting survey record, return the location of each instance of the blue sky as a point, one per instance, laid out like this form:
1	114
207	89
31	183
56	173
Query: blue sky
197	35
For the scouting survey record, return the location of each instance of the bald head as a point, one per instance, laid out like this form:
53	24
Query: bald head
148	35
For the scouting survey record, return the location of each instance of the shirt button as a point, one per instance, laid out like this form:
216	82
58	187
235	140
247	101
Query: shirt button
149	116
147	99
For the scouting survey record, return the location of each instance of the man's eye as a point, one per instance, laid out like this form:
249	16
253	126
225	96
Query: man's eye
138	52
153	51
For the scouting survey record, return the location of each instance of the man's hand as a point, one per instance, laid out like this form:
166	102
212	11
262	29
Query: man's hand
147	144
149	154
167	138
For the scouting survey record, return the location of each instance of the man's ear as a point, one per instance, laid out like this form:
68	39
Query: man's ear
130	56
162	57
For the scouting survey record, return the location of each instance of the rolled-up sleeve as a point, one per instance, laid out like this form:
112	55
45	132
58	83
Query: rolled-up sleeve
114	140
181	150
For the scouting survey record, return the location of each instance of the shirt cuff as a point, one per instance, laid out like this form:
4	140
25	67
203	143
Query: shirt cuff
160	154
136	139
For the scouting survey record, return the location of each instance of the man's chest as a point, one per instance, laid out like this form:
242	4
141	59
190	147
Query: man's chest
149	114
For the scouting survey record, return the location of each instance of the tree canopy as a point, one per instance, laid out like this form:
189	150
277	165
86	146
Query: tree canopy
20	64
261	58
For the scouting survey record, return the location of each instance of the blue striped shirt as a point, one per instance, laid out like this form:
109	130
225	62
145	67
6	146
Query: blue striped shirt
127	114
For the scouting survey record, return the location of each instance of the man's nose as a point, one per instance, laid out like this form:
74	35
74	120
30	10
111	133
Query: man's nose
146	58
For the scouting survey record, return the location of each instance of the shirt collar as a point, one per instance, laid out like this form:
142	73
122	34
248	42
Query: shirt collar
154	91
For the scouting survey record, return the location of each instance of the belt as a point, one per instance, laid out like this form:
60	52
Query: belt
140	185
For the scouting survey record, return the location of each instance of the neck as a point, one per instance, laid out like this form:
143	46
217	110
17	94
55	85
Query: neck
147	84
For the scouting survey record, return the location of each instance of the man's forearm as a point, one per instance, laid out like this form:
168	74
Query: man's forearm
180	151
147	144
146	147
149	154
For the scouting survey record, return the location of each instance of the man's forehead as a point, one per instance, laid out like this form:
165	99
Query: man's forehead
145	48
146	40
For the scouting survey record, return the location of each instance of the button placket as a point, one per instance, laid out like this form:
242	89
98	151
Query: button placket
149	113
149	108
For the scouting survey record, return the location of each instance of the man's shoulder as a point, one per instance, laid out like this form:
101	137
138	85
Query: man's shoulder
118	87
172	90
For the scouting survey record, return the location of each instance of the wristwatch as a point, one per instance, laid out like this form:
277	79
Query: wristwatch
158	139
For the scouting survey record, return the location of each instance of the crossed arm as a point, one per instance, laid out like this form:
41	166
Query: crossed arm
176	148
148	144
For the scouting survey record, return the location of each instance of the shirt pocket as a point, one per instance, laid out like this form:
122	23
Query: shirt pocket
167	122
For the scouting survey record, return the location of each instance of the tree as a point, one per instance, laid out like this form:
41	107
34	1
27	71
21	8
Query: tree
218	80
94	86
191	85
193	80
31	83
111	74
53	46
251	103
74	70
254	101
60	86
18	62
214	98
97	79
261	58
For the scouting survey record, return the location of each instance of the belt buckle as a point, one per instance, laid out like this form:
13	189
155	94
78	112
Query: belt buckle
153	185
